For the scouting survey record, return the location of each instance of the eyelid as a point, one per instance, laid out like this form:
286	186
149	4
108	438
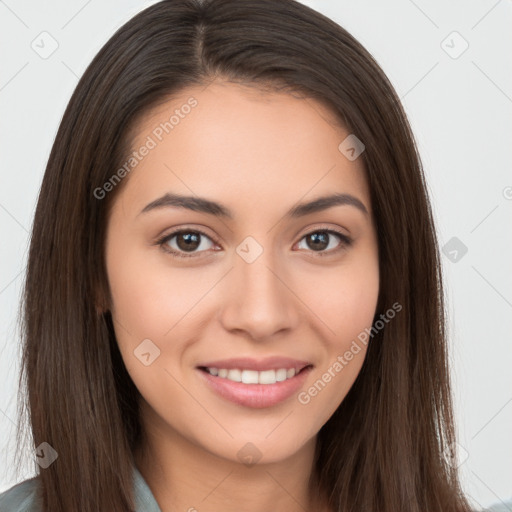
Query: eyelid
324	227
165	238
345	240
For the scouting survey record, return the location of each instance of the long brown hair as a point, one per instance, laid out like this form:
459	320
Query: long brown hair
382	450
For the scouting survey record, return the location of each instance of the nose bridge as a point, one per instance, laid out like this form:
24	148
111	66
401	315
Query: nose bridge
258	300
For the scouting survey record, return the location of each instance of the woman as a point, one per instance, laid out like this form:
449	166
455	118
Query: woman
234	297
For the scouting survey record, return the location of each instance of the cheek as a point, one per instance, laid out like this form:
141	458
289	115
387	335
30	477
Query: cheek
153	301
346	304
148	305
345	307
149	298
344	298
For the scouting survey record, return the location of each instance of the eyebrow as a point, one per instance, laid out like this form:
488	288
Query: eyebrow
201	204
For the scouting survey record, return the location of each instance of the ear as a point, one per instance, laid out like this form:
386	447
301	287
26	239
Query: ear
101	303
100	310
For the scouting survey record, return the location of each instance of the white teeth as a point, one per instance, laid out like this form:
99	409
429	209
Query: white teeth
267	377
281	374
250	377
235	375
253	376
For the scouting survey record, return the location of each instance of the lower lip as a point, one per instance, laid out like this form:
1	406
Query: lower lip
257	396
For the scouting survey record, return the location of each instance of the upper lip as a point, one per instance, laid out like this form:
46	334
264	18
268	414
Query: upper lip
247	363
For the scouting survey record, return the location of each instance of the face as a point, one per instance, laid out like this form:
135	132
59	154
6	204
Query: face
236	310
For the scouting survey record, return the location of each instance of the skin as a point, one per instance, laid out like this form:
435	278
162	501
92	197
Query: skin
259	154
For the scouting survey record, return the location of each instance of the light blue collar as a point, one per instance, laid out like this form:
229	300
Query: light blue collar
144	499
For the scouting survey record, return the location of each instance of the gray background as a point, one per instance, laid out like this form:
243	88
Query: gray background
459	104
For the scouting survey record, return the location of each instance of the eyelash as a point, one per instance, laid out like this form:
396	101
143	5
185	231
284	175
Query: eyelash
345	242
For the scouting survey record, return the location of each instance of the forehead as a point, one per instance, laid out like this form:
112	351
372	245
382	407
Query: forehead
253	147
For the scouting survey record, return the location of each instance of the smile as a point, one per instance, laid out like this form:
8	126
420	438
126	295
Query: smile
253	376
256	387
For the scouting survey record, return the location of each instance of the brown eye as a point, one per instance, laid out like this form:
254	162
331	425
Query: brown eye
323	241
184	243
188	241
318	241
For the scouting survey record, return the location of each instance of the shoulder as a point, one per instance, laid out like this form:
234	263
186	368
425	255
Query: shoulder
504	506
22	497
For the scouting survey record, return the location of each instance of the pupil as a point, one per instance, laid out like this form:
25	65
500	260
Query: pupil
188	239
321	237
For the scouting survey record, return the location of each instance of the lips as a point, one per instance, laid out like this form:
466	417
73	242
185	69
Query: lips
255	383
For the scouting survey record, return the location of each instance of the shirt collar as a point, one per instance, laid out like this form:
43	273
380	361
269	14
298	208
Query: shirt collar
144	499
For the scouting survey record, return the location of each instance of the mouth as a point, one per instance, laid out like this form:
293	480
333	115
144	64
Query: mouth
255	384
265	377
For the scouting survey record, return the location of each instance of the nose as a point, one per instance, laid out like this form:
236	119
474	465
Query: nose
258	299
